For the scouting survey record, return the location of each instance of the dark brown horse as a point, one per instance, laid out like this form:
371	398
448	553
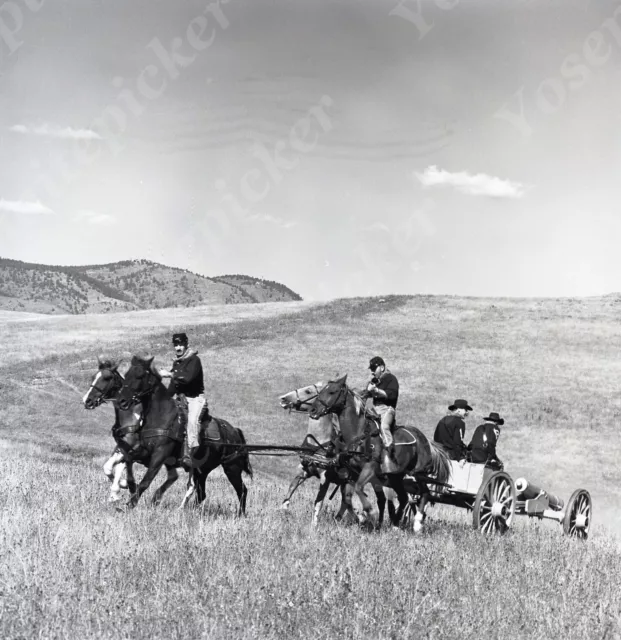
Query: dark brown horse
320	436
415	455
161	436
105	387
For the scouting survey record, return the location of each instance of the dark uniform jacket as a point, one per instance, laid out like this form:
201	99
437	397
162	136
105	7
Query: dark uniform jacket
450	434
187	375
483	444
390	385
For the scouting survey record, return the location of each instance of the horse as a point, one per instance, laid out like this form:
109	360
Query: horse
105	386
319	436
161	437
415	455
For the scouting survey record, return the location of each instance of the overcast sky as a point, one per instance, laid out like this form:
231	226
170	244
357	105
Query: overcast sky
342	147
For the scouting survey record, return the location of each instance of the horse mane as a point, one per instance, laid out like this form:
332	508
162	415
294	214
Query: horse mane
358	401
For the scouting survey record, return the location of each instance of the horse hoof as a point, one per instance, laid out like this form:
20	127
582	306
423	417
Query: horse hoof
285	506
114	498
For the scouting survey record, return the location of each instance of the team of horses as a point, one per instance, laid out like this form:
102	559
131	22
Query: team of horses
342	446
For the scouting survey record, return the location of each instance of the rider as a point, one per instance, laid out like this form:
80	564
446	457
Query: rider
384	389
451	430
483	444
187	381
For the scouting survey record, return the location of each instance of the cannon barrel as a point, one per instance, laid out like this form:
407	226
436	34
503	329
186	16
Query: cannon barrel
529	491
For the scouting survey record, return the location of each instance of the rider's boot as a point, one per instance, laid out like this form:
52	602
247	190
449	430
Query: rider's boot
186	459
389	464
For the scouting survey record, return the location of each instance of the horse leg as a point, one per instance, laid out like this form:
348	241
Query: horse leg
301	477
234	474
391	496
419	518
115	489
172	477
321	495
396	483
347	492
155	464
131	480
366	475
381	504
111	462
190	490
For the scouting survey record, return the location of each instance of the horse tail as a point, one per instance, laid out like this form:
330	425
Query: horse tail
440	461
247	467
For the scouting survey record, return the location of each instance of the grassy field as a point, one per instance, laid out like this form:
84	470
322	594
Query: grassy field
71	566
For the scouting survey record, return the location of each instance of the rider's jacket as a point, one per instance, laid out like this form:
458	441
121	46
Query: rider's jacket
483	444
390	385
187	374
450	434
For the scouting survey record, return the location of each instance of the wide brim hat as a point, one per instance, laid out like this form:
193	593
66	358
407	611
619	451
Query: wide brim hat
494	417
460	404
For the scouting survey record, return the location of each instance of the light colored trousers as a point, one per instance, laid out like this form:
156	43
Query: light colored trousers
195	406
388	420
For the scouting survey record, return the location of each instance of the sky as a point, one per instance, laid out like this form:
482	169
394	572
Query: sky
341	147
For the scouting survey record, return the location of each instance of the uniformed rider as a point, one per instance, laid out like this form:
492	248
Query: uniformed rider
483	444
384	389
451	430
187	380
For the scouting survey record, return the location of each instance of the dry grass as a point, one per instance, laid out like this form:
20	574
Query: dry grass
70	566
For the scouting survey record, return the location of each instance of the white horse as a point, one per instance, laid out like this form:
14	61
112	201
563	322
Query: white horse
319	435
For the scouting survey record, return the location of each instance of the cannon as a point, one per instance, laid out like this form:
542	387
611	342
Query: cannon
535	502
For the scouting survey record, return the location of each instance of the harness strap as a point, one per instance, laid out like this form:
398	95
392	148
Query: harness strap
121	432
157	433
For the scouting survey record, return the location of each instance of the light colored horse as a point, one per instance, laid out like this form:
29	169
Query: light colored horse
320	435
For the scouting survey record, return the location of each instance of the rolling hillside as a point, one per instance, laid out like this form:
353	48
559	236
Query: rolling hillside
124	286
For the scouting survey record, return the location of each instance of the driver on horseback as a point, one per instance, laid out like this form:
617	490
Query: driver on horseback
384	389
187	381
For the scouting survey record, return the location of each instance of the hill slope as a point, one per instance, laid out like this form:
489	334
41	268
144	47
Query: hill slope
124	286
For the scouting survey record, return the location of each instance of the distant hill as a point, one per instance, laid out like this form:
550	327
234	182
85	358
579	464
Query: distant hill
124	286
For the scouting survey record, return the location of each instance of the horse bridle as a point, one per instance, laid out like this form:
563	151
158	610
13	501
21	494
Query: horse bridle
137	396
106	394
299	403
335	407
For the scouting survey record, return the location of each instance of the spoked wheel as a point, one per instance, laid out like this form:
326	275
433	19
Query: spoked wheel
577	520
494	506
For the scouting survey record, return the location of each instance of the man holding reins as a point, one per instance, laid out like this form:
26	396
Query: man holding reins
384	389
187	381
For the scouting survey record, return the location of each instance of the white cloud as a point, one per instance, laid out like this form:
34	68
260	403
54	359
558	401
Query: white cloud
475	185
21	206
57	132
92	217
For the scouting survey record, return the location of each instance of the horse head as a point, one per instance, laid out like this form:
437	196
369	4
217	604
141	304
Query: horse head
104	385
301	399
140	380
331	399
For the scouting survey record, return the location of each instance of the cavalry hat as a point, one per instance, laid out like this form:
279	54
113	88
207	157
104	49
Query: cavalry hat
494	417
375	362
460	404
180	338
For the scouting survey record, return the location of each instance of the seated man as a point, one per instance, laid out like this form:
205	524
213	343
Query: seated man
451	430
483	444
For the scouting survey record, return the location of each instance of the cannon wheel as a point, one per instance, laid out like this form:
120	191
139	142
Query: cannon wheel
494	506
577	520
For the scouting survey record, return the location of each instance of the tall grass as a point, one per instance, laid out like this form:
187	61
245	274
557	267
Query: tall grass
72	566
